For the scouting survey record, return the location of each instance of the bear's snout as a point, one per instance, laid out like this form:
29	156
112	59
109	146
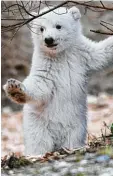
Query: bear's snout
50	42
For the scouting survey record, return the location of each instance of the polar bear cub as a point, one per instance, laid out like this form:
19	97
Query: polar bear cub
55	92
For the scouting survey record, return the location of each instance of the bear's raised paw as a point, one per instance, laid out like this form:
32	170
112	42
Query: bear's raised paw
15	90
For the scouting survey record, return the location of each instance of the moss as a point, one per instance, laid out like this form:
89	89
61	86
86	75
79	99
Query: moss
79	156
68	174
80	174
106	151
14	162
37	172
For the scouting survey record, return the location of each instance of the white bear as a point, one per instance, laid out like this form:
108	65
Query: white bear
55	92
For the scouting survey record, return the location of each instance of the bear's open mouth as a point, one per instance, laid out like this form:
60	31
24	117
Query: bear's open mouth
52	45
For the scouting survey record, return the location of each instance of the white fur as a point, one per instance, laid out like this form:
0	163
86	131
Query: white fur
57	84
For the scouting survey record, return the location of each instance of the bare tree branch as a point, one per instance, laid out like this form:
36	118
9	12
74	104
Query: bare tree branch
23	9
101	32
106	27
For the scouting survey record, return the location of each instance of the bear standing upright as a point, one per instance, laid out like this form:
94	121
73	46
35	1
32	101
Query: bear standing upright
55	92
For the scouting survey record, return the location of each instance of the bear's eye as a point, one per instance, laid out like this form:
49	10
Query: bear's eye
41	29
58	26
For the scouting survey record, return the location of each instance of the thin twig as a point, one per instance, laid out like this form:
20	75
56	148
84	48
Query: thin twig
102	4
106	23
101	32
106	27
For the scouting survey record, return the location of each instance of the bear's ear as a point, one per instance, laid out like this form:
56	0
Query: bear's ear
75	13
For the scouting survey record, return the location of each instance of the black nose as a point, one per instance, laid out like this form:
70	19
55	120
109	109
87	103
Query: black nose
49	41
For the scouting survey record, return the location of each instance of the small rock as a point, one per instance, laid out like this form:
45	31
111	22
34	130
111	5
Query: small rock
81	169
70	158
103	158
64	171
49	174
62	164
89	156
73	171
54	174
105	174
44	169
83	162
11	172
108	170
111	162
20	174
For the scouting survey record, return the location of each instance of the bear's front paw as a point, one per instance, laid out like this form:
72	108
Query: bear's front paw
15	90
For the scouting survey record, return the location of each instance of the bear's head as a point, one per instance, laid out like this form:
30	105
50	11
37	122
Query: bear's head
57	30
